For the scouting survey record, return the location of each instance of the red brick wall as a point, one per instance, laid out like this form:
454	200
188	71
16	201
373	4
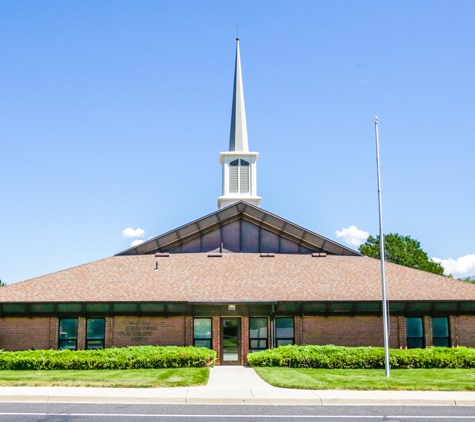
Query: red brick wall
155	331
216	338
244	339
348	331
464	331
28	333
42	333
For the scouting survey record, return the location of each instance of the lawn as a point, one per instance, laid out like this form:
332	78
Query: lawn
369	379
138	378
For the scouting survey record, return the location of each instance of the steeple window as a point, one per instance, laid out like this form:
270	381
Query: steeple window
234	176
239	177
244	176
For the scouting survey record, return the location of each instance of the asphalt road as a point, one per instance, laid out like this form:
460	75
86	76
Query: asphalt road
75	412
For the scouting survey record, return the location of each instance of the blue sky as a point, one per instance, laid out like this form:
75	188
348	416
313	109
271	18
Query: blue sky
113	115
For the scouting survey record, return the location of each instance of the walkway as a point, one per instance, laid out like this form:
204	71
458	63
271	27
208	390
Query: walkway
234	385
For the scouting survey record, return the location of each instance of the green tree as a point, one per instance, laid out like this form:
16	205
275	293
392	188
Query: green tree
2	283
402	250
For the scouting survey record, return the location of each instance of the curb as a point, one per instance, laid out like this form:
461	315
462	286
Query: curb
248	397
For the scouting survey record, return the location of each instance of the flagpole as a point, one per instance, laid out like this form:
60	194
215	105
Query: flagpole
381	244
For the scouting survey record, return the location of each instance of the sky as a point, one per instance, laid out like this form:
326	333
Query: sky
113	115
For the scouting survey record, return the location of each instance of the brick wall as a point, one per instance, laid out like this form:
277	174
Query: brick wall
348	331
28	333
464	331
244	339
155	331
42	333
216	338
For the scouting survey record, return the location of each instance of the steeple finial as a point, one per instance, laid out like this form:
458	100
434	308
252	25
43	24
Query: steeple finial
238	139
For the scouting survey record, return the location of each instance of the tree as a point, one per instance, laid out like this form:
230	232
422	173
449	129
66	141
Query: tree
402	250
2	283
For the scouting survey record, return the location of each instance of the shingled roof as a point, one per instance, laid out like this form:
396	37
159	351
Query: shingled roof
236	278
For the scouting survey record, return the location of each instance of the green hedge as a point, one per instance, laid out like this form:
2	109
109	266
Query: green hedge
122	358
336	357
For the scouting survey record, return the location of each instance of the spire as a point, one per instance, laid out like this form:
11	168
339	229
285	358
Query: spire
239	165
238	139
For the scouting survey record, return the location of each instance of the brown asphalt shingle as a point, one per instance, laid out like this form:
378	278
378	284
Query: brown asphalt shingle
235	277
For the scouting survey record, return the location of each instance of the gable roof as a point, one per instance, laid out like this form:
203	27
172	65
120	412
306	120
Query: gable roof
241	210
236	278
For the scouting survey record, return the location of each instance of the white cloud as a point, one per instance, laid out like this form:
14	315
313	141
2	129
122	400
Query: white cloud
136	242
460	267
352	235
129	232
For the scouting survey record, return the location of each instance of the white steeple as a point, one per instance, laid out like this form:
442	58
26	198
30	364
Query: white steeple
238	138
239	165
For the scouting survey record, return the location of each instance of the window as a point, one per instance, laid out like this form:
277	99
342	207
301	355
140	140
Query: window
202	332
440	332
244	176
68	333
233	176
239	176
414	333
95	333
257	334
284	331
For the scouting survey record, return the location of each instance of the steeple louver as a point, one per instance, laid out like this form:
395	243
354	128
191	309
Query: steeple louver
238	138
239	165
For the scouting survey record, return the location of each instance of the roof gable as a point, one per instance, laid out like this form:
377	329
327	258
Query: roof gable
240	227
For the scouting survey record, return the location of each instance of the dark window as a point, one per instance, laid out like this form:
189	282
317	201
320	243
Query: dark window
202	332
257	334
440	332
284	331
414	333
95	333
68	333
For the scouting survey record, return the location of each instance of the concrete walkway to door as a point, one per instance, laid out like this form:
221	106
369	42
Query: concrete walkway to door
236	378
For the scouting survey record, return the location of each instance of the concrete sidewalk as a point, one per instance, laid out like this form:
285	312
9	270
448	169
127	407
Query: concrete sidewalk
234	385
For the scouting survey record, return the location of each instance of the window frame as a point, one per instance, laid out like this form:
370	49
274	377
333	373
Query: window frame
75	339
422	338
103	339
441	338
210	339
292	339
266	338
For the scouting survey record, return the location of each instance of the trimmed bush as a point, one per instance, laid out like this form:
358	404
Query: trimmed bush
336	357
121	358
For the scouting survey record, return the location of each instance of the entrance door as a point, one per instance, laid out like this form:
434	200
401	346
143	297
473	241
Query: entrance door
230	341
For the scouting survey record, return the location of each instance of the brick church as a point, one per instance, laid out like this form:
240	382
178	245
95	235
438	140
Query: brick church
238	280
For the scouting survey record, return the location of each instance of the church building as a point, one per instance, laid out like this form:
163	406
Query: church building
238	280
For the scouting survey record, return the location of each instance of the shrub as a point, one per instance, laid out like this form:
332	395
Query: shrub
336	357
120	358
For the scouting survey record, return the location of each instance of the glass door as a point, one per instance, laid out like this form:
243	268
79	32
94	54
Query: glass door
230	341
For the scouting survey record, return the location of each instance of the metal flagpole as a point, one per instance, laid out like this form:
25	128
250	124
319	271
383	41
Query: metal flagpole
381	243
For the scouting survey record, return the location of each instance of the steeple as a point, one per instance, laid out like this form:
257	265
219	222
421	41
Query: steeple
239	165
238	138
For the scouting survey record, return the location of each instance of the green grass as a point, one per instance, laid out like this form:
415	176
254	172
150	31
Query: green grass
138	378
369	379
